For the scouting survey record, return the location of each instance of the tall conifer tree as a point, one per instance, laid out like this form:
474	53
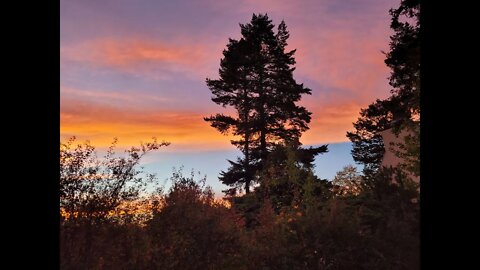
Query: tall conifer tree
256	79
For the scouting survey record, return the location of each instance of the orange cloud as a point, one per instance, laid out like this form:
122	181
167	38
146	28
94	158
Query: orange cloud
100	123
330	123
185	130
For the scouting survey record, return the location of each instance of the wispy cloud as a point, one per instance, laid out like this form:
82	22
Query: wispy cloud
135	55
126	98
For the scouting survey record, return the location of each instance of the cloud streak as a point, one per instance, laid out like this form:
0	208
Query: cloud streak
129	98
100	123
136	55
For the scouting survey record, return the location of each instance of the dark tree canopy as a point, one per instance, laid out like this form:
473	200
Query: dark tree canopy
368	147
256	79
404	55
403	106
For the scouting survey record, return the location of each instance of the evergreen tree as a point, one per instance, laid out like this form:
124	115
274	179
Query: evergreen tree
403	106
256	79
404	55
288	177
368	147
404	60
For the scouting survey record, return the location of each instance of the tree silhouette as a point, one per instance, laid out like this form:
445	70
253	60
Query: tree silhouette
91	187
256	79
404	55
403	106
368	147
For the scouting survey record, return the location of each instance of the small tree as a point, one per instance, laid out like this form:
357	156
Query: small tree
90	187
289	182
347	181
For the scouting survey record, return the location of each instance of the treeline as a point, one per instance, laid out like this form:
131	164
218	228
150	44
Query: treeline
276	213
311	224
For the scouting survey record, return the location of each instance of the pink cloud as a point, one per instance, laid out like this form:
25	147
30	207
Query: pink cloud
132	97
342	59
136	55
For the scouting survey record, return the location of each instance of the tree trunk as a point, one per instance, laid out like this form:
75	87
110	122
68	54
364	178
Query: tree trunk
247	164
247	150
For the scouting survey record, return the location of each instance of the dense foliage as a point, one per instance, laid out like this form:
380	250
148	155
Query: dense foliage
295	222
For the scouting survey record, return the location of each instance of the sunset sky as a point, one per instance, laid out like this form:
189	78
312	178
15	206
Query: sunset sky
135	69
